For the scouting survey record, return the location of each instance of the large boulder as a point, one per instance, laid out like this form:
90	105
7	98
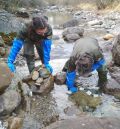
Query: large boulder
9	23
86	122
116	50
72	33
9	101
5	76
71	23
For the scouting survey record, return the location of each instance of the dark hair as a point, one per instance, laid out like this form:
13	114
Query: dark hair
39	22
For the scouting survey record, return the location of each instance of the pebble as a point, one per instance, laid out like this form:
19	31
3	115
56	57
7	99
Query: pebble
88	92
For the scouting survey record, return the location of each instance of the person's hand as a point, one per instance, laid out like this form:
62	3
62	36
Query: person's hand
11	67
49	68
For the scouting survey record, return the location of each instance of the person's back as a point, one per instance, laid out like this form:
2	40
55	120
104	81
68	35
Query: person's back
86	45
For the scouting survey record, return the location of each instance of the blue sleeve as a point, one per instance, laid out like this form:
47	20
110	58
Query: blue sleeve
98	64
17	45
46	49
70	79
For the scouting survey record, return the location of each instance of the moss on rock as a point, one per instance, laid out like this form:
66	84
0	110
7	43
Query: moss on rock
8	37
84	101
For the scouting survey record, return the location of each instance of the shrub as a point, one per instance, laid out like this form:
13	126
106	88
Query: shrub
102	4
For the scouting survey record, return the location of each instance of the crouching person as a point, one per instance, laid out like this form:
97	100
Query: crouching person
37	33
85	58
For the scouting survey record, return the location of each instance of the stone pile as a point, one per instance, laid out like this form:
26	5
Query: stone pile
40	81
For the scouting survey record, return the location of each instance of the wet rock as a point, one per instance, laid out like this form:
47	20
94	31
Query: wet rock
5	77
85	122
84	101
95	22
72	33
108	37
60	78
71	23
116	50
15	123
9	101
45	88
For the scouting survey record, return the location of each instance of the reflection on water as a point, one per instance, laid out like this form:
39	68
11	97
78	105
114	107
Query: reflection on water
58	18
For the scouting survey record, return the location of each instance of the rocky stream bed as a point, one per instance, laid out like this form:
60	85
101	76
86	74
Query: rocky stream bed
20	109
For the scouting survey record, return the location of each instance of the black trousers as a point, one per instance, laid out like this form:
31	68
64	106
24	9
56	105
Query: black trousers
30	54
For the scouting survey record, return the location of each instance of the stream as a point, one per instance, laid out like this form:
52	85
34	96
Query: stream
58	100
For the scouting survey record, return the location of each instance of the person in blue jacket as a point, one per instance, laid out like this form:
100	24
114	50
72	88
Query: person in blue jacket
36	33
85	58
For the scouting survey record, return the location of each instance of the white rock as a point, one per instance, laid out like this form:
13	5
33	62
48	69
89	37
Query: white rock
88	92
